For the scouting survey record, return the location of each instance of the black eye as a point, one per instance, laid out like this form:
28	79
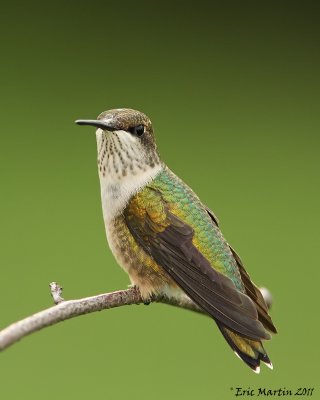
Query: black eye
136	130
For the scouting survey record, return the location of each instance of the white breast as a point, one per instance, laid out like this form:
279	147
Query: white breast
116	194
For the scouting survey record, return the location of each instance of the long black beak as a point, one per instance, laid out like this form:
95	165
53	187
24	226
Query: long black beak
96	123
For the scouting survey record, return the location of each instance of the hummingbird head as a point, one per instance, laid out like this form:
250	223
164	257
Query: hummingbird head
126	144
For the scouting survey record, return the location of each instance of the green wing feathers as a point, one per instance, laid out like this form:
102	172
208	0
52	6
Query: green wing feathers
170	223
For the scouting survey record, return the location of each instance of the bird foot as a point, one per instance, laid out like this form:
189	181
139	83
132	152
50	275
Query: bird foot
146	300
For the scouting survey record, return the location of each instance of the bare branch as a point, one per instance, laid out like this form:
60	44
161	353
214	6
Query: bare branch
66	309
267	296
72	308
56	292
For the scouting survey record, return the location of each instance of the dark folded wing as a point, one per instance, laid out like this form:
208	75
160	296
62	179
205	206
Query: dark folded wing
172	248
251	289
254	293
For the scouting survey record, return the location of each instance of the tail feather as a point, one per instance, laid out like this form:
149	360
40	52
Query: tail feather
248	350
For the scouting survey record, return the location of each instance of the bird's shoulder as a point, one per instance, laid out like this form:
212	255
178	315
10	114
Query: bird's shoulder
168	195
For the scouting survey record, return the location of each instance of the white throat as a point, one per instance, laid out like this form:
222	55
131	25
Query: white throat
116	187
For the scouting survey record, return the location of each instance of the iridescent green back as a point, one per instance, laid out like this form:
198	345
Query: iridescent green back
184	203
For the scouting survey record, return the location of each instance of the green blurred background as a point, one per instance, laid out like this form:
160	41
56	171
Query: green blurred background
233	91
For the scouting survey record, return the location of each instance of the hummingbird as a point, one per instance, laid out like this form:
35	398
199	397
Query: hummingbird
168	241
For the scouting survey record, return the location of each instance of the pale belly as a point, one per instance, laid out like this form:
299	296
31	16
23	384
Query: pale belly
143	271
